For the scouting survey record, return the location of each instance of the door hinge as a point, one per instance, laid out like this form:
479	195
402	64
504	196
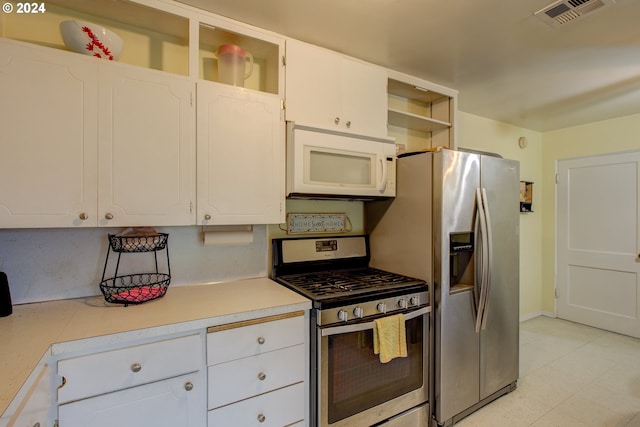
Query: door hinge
191	99
190	207
282	104
556	293
557	178
284	61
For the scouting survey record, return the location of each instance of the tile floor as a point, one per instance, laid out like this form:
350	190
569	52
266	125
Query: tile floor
571	375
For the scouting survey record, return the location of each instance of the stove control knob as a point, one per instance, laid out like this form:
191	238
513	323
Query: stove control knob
358	312
343	315
413	301
381	307
402	303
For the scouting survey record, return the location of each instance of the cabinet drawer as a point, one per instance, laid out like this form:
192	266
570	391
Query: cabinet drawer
108	371
244	341
243	378
276	409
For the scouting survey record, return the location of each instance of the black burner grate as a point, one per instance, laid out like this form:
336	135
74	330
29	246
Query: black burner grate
335	283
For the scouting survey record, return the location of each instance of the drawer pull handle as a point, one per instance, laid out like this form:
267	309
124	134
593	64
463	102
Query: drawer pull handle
262	376
136	367
261	418
188	386
261	340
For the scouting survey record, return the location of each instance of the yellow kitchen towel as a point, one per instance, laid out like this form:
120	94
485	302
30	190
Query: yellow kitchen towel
390	338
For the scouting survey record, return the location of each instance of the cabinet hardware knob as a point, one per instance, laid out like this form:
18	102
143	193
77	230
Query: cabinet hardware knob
136	367
207	217
188	386
83	216
348	123
262	376
261	418
36	425
336	120
108	215
261	340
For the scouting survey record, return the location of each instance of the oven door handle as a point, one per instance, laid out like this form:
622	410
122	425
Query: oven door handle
369	325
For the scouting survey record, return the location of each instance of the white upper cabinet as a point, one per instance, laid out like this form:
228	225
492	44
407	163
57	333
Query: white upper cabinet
328	90
90	143
240	126
241	156
146	147
48	143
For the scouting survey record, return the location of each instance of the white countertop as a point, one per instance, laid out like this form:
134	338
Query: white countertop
34	330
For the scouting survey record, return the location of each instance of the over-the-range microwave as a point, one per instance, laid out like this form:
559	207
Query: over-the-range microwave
331	164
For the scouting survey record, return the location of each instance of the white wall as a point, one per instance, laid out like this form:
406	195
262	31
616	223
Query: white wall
49	264
478	133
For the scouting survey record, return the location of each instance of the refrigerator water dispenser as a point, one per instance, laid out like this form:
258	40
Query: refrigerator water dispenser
461	261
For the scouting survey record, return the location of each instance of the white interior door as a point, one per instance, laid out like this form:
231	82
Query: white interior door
597	238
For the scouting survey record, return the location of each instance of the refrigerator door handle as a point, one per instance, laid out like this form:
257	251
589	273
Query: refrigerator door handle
482	258
489	239
482	254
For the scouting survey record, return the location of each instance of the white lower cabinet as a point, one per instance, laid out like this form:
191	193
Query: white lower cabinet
159	384
172	403
257	374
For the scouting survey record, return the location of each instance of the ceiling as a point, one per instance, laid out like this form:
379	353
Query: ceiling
507	64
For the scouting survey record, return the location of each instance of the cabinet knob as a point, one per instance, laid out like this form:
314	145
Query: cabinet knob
261	418
188	386
261	340
136	367
83	216
336	120
262	376
108	215
348	123
207	217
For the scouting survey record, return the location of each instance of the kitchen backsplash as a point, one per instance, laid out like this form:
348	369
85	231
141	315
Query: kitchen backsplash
50	264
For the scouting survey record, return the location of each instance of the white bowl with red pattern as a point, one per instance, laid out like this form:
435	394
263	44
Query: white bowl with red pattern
91	39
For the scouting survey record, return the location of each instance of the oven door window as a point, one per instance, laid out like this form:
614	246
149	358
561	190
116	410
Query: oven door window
357	380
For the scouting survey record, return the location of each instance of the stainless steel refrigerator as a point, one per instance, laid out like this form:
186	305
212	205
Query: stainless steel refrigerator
455	223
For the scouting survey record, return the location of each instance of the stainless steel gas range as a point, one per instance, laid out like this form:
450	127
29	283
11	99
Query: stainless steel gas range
350	386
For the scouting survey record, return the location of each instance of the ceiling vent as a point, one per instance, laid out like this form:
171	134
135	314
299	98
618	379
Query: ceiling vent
564	11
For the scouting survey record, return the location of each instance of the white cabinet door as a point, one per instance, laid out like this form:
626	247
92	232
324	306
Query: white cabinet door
146	149
313	85
241	156
48	139
176	402
331	91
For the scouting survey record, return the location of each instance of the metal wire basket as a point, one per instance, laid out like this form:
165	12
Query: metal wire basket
138	243
135	288
140	287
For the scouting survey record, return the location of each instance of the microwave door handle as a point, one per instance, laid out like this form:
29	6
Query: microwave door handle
357	327
382	184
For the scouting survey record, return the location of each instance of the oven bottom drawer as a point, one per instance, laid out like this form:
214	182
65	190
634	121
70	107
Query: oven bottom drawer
418	416
274	409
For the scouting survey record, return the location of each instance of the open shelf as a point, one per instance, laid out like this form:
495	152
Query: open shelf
152	38
415	122
418	117
265	75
